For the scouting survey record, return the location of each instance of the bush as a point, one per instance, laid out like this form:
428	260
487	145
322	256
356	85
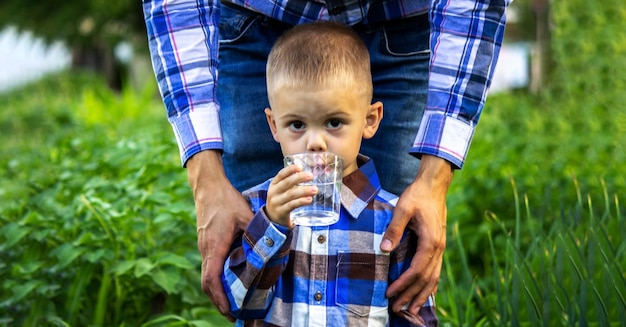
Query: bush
99	226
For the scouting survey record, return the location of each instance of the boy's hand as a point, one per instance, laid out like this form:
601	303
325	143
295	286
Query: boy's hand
284	194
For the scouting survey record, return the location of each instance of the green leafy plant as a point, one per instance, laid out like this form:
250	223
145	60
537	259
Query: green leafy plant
99	224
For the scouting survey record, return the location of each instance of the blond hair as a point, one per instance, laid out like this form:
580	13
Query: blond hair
319	54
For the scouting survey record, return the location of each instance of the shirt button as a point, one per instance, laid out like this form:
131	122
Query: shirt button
321	239
317	296
269	242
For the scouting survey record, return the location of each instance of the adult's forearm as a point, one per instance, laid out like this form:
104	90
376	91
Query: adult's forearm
183	41
205	168
466	37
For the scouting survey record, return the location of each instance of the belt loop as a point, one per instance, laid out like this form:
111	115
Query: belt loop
265	22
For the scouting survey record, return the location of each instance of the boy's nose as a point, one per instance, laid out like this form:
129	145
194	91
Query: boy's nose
316	142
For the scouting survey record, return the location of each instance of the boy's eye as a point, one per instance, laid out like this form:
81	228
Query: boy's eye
296	125
333	123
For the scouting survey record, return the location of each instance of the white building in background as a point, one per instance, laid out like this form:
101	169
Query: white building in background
513	68
25	58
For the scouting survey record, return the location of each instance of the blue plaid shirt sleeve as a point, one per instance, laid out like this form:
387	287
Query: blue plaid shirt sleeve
253	268
465	42
183	38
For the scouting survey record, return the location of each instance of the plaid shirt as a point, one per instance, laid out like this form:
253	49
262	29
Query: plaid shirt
465	43
320	276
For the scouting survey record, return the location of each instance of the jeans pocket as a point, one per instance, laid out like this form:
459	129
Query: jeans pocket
234	22
407	37
361	284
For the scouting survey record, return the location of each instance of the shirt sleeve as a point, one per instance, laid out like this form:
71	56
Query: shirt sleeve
465	42
183	40
254	266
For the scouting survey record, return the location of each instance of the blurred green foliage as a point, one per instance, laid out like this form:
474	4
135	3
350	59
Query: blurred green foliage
570	135
77	22
97	221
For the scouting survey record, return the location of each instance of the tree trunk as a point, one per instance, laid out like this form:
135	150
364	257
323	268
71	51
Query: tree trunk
541	64
101	60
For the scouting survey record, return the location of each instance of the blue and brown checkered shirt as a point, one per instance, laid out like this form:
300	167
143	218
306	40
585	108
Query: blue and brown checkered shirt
321	276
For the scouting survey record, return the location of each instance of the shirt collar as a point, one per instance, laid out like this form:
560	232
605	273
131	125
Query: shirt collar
360	187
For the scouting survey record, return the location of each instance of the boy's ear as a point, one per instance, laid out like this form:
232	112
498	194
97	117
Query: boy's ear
272	123
372	120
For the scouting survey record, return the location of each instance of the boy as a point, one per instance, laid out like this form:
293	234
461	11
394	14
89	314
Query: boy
320	92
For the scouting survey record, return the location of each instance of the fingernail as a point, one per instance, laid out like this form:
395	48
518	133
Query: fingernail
385	245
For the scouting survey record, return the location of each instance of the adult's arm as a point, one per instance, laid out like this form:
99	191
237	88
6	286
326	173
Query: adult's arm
183	40
465	42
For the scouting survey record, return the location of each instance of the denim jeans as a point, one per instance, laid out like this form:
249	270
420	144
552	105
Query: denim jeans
399	52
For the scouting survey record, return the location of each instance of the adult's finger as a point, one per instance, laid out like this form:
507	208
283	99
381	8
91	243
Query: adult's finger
423	207
214	256
221	213
221	224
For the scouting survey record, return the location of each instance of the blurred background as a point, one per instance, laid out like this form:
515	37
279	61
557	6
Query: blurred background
97	222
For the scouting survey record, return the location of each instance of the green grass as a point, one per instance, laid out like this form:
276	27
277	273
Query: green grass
537	234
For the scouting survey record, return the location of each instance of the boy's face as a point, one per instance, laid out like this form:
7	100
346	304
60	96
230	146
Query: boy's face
323	119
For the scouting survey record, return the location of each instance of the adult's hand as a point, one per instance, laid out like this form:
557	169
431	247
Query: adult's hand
421	208
221	214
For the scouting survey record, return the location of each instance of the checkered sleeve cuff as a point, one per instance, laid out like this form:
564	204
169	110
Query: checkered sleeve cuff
445	137
197	130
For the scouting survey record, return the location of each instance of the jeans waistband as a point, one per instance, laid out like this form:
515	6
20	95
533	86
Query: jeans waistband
420	20
265	20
